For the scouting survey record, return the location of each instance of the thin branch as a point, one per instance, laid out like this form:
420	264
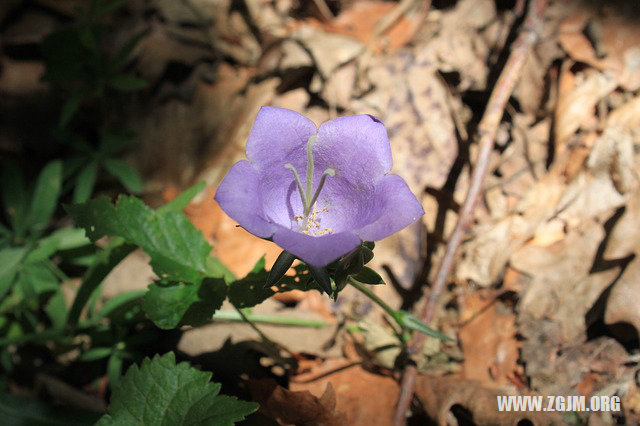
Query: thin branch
487	130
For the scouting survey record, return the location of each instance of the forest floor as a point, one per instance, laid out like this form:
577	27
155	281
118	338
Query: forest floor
544	294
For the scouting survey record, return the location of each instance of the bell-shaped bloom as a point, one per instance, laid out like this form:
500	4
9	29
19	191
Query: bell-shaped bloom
317	192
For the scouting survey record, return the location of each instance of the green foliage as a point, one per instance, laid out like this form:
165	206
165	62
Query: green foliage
178	251
90	81
15	410
249	292
161	392
173	304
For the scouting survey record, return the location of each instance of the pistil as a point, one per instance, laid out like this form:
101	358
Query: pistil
307	196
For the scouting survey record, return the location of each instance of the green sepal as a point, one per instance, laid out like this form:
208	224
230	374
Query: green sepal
279	268
368	276
321	276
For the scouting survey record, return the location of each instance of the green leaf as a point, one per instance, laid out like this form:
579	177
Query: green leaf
15	410
178	251
113	142
10	259
114	368
249	291
104	262
56	310
36	279
122	55
163	393
407	320
120	302
61	239
70	108
95	354
45	196
14	196
85	181
127	83
368	276
126	174
170	305
182	200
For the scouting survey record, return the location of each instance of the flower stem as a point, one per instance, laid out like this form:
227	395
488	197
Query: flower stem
371	295
268	319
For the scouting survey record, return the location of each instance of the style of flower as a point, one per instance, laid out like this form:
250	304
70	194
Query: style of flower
317	193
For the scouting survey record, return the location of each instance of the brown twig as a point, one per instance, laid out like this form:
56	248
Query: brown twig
486	132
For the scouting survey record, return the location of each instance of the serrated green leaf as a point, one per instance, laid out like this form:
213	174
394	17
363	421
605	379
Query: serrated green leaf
45	196
125	174
368	276
173	304
163	393
178	251
127	83
85	181
249	291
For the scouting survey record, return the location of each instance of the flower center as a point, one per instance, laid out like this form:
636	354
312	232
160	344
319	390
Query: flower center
309	219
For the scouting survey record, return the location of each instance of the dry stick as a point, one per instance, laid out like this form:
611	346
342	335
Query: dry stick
487	130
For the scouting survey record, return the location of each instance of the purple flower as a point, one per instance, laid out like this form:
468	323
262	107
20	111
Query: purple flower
318	193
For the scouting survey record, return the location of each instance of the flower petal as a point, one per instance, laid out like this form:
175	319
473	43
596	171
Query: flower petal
239	196
395	207
276	135
316	251
357	147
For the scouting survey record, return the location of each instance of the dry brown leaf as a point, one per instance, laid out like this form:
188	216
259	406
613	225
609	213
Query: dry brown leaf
214	23
444	397
364	397
488	339
361	19
561	289
615	47
328	50
296	408
622	303
576	108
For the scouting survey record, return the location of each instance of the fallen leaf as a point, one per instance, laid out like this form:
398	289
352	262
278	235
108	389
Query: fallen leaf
365	398
451	400
298	408
488	338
